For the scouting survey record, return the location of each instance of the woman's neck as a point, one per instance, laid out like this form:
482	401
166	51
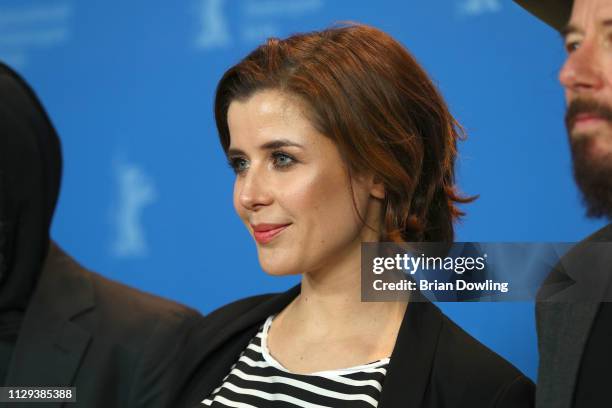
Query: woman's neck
330	305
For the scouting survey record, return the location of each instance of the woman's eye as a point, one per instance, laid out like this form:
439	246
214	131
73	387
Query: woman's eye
238	164
281	159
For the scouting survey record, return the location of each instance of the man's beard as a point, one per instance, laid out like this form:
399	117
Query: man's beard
593	175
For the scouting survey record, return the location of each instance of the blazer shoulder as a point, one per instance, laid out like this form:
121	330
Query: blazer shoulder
476	371
130	316
602	235
119	295
62	273
238	307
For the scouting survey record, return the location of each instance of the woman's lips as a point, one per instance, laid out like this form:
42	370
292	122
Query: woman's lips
265	233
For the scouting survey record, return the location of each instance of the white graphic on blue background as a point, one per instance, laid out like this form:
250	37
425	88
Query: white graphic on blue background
281	8
214	30
26	28
136	190
478	7
259	20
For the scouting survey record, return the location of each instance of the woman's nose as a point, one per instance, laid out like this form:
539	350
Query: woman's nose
254	190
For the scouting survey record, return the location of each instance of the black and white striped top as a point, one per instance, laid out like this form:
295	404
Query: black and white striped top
258	380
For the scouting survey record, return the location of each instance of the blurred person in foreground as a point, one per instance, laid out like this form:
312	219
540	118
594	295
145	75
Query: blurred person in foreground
574	319
60	324
339	137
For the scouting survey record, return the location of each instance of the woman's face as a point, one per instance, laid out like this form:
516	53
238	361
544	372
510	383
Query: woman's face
292	189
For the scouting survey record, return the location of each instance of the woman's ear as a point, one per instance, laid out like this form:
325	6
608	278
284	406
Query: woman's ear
371	183
377	189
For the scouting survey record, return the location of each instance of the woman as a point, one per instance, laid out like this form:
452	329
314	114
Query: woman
338	137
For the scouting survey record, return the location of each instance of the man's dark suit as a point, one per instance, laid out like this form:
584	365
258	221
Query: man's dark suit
568	306
115	344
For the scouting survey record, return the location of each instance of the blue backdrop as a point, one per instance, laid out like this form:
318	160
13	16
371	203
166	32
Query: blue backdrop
146	196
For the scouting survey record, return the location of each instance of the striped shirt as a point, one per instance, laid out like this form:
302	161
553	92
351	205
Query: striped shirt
257	380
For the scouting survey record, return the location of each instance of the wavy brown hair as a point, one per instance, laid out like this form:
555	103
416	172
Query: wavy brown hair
367	93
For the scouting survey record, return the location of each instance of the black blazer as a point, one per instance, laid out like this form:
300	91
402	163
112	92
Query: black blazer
434	362
115	344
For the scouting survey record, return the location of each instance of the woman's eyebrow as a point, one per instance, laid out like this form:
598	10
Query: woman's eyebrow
275	144
271	145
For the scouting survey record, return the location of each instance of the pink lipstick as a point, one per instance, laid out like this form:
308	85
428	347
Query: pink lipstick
265	233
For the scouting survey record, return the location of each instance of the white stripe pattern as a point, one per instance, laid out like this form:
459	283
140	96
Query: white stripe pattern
257	380
304	386
271	397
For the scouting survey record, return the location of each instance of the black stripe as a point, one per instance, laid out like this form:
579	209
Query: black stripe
299	393
366	376
295	391
249	399
319	381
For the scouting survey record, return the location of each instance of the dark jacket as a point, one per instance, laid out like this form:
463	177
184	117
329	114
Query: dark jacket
434	362
567	307
116	345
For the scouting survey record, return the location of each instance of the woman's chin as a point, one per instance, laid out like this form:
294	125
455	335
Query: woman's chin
279	270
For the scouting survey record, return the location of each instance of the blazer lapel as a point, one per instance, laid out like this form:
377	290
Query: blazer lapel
412	357
49	347
584	273
222	333
207	370
563	330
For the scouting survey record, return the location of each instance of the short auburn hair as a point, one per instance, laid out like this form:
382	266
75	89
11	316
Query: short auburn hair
367	93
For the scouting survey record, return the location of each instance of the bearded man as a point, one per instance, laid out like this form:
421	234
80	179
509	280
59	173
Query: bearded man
574	316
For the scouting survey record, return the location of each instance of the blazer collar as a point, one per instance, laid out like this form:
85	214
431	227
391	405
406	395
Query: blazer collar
202	378
413	356
584	273
250	320
50	346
